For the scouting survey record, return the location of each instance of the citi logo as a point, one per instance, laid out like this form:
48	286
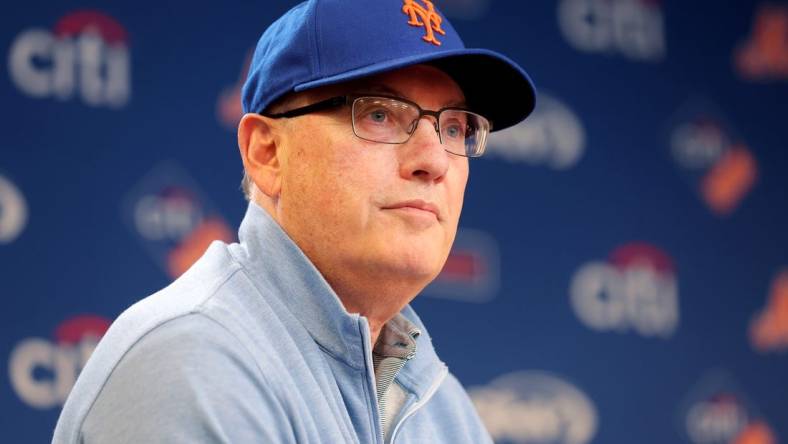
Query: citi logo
634	290
85	55
13	211
552	136
764	55
720	166
769	328
633	28
43	371
531	407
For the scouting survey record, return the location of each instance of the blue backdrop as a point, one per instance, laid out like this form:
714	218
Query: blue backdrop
623	255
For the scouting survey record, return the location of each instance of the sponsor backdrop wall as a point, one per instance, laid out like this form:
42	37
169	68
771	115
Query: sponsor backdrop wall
621	272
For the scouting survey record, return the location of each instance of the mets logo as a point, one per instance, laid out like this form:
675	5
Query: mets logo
428	18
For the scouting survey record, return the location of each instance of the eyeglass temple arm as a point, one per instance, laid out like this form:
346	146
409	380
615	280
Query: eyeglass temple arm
319	106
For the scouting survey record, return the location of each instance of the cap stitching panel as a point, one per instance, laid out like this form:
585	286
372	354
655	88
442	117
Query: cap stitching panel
314	44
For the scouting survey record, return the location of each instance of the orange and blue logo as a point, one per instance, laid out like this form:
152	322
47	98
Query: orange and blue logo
426	17
716	411
764	56
85	55
174	221
43	371
769	328
717	162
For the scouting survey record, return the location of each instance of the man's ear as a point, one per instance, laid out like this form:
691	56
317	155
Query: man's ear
260	153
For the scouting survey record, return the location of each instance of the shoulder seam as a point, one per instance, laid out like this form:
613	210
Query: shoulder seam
194	310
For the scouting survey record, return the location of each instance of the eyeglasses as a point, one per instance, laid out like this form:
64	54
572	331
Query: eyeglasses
393	120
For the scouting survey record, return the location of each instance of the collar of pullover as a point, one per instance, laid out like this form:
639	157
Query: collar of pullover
280	268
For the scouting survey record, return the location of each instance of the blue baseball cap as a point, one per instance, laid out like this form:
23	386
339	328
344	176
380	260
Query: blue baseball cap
324	42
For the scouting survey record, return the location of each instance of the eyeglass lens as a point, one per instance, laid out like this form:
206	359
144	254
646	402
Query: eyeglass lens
386	120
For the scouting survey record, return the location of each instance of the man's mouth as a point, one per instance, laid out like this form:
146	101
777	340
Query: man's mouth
417	206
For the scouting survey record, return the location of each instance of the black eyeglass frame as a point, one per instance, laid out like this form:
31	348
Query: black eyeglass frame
336	102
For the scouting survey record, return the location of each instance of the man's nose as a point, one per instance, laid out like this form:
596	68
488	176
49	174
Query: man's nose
422	156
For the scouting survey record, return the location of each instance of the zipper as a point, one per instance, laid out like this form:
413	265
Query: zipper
420	403
370	381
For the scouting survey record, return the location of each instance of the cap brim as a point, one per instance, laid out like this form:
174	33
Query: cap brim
494	86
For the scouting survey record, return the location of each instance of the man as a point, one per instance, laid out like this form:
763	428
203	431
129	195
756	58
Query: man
355	149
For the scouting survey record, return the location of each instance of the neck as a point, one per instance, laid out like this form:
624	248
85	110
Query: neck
361	291
378	303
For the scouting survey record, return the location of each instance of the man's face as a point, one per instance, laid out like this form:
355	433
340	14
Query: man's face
367	210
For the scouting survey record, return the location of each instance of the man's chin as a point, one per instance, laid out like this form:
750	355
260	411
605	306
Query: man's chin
419	269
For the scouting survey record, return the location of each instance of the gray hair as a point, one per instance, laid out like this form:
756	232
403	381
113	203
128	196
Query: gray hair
246	186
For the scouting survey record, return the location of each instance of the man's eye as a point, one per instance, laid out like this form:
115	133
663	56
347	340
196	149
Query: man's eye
378	116
454	131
